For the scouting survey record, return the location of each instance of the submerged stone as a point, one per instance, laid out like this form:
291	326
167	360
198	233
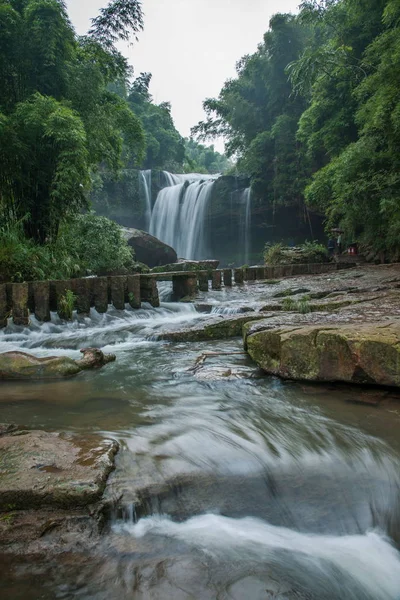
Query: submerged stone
19	365
363	354
39	469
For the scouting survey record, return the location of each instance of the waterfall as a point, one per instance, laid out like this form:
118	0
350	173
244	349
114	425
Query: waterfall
246	221
145	183
179	214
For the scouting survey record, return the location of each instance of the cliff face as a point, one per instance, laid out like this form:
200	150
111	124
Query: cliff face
234	235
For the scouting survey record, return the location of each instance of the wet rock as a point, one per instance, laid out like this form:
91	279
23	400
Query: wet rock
148	249
219	328
364	354
19	365
93	358
188	265
291	292
7	428
39	469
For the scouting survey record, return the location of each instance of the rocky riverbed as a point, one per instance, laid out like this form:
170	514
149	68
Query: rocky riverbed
183	469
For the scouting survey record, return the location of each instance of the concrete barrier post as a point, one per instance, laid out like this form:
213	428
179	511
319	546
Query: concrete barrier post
216	280
19	296
3	305
133	286
65	303
149	290
260	273
238	276
117	289
99	287
228	277
41	300
184	286
203	281
81	289
252	273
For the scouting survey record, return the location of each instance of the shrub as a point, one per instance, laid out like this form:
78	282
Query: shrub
273	255
98	243
24	260
309	252
86	244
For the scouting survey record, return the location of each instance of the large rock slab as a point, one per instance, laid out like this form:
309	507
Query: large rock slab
356	353
148	249
40	469
216	328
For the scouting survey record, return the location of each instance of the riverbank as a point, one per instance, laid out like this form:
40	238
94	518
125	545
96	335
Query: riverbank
215	440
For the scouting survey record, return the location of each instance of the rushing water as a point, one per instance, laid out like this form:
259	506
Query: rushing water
231	485
246	225
145	183
179	214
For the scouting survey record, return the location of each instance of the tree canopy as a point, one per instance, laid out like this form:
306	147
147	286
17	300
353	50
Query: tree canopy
313	116
59	118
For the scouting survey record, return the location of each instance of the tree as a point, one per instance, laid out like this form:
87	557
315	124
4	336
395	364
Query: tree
59	118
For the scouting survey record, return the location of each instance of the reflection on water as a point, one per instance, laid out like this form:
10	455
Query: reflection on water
229	487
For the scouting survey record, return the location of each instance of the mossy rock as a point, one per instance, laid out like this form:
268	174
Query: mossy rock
365	354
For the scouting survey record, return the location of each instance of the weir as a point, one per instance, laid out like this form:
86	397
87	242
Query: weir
19	300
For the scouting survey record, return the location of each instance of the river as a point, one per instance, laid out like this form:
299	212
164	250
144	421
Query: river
230	484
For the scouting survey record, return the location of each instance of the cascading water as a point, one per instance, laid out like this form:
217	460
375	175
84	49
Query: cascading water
179	214
145	183
246	224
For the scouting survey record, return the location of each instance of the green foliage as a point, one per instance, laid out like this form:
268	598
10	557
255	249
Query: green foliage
314	117
273	255
302	306
22	259
165	147
307	253
58	116
289	304
66	305
87	244
204	159
99	244
258	114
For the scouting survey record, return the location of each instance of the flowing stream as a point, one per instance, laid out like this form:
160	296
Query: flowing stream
231	485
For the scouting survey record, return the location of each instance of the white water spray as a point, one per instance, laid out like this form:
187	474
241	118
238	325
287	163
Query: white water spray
180	212
145	182
246	199
355	567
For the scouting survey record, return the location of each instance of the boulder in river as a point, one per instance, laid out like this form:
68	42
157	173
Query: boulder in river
41	469
359	353
19	365
148	249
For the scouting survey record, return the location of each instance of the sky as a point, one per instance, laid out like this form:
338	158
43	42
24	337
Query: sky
190	46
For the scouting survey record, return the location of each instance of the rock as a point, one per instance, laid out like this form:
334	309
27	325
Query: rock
93	358
148	249
188	265
40	469
18	365
358	353
217	328
291	292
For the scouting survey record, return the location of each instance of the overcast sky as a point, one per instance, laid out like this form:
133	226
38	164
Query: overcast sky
191	46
